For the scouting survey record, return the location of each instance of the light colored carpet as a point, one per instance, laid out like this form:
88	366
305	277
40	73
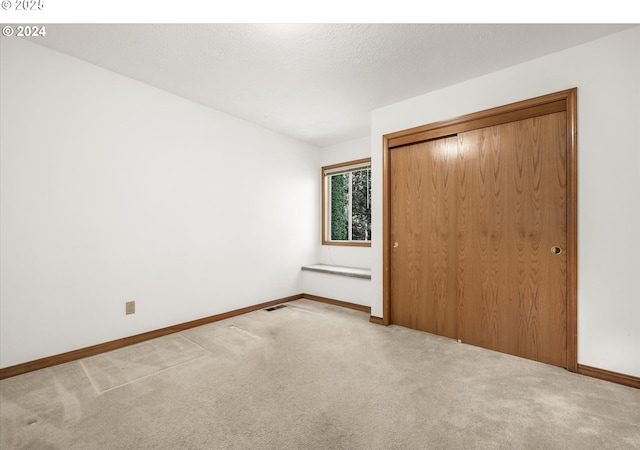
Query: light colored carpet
312	376
114	369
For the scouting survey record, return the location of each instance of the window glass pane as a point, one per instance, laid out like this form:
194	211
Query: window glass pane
347	214
339	207
361	205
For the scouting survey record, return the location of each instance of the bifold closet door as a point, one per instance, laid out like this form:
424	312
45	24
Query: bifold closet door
423	232
512	238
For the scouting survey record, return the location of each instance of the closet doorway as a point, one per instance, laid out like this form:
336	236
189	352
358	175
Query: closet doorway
480	229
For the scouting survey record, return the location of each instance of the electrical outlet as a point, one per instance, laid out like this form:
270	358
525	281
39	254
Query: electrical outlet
130	307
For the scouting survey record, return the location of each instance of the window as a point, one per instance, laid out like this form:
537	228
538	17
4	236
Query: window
346	203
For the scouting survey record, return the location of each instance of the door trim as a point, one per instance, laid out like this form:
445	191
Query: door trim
559	101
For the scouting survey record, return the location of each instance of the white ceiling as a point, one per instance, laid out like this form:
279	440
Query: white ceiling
314	82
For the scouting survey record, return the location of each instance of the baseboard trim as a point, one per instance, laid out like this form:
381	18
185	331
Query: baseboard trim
43	363
614	377
73	355
332	301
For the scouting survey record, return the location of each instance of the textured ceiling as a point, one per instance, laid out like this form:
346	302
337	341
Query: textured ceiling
314	82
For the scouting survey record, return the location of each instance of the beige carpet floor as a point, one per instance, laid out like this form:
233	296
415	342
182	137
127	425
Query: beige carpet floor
312	376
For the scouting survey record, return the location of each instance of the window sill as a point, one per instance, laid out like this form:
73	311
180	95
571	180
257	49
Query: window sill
356	272
348	243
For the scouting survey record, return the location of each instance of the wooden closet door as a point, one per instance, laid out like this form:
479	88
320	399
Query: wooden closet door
512	212
423	232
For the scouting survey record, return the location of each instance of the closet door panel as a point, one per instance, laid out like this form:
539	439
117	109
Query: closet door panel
512	213
423	232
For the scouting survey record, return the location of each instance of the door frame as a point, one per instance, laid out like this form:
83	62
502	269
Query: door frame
547	104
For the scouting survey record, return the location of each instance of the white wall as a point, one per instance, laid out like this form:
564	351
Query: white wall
607	75
348	289
112	190
338	287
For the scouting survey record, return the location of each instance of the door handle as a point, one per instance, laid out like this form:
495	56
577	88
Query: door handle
556	250
395	244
